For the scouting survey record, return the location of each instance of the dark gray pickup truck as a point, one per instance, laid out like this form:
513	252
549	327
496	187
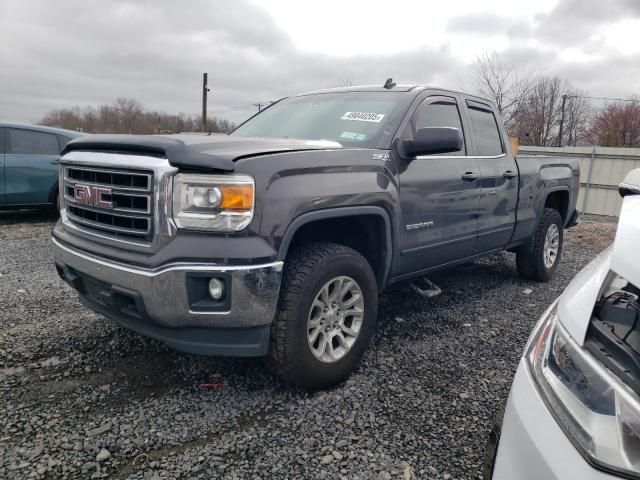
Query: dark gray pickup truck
278	238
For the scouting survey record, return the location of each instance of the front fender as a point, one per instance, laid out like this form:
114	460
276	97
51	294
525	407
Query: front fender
342	212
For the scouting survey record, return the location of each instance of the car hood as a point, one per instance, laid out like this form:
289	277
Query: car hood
201	152
576	304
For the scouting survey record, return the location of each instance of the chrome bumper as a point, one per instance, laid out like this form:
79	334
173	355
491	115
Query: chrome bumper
163	293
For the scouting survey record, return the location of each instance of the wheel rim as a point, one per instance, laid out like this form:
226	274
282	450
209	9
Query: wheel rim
551	245
335	319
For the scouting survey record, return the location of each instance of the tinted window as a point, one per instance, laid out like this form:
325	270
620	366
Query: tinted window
436	114
27	142
486	130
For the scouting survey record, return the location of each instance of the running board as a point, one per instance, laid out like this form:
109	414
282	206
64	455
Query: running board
426	289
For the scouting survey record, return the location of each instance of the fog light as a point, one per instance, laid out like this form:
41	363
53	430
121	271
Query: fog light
216	288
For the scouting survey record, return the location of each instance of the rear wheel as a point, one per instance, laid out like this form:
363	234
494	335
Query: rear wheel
541	261
326	315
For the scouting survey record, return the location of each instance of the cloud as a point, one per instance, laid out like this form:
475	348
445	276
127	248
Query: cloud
88	52
573	21
81	53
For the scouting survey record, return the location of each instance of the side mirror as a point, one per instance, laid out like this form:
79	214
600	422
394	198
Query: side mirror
432	140
631	184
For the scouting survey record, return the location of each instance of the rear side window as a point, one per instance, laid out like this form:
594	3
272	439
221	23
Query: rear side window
28	142
436	114
487	134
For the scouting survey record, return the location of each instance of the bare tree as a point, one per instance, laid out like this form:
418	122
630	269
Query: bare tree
89	119
69	118
107	119
127	115
577	116
504	84
538	119
128	110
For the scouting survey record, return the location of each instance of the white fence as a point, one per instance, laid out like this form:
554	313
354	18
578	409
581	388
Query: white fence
601	170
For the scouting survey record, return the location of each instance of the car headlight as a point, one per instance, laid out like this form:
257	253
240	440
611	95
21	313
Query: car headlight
213	202
600	414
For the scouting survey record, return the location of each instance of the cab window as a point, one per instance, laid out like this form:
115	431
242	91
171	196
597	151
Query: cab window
485	128
440	113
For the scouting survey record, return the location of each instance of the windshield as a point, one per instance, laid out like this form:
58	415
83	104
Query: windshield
350	118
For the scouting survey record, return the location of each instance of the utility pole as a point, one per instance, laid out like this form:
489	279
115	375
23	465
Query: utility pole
564	101
205	90
259	105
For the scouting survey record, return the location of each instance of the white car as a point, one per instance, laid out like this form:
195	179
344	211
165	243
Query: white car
574	407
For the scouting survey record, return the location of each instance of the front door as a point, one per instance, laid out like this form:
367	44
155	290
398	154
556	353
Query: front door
439	195
31	166
2	133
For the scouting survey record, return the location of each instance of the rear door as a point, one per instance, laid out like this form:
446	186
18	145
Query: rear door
2	133
498	181
438	194
31	166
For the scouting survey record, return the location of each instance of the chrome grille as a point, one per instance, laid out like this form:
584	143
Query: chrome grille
117	202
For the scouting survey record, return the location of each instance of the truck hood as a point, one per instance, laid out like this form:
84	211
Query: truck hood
576	304
200	152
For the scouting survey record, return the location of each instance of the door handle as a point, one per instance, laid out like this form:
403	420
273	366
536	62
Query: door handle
509	174
470	176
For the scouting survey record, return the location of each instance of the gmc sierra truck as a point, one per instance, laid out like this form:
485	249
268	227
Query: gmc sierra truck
278	238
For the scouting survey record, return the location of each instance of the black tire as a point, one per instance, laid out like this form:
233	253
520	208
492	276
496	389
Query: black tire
530	261
55	205
307	270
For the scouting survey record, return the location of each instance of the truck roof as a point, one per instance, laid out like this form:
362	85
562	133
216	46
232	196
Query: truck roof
396	88
42	128
366	88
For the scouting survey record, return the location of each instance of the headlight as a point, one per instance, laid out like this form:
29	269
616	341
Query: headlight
599	413
213	202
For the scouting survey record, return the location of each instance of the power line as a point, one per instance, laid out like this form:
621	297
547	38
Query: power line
564	101
239	107
262	104
634	100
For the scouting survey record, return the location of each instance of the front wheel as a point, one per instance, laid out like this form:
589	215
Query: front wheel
540	262
326	315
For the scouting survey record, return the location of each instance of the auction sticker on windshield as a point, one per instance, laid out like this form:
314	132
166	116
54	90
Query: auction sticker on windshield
363	117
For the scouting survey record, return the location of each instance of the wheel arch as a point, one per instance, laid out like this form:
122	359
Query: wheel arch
332	218
53	192
558	198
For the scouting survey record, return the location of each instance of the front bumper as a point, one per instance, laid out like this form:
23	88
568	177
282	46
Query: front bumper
532	445
168	303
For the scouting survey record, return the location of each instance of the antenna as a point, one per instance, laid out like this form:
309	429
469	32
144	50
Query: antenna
389	84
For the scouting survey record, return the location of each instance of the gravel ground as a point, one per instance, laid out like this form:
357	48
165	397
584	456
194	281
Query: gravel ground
82	398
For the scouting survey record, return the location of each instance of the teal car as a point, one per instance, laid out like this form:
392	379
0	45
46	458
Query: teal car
29	159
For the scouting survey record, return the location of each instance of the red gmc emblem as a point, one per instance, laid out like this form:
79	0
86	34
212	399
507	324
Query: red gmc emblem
93	196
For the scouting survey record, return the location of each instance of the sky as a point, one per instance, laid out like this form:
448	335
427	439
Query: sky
86	52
